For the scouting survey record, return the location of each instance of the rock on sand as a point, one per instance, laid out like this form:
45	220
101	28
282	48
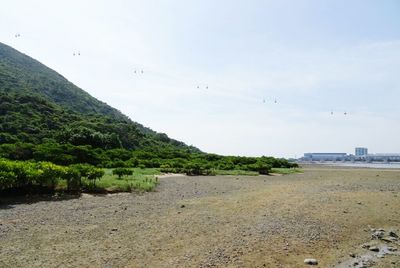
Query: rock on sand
311	261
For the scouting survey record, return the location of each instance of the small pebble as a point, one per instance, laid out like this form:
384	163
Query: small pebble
376	249
393	234
311	261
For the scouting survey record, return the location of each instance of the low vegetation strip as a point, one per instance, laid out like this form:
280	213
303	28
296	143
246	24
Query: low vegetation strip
29	176
236	172
284	171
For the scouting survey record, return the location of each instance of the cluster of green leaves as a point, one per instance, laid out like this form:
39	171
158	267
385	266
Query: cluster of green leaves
25	174
120	172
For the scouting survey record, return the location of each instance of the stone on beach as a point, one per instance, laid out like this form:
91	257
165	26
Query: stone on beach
376	249
311	261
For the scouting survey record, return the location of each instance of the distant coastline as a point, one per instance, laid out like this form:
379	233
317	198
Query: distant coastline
395	165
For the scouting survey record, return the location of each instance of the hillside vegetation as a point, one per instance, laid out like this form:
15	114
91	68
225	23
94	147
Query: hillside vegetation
30	90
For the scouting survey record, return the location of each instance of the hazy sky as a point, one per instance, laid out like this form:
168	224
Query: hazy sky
313	57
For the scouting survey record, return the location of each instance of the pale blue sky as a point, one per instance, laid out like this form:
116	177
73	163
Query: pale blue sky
312	56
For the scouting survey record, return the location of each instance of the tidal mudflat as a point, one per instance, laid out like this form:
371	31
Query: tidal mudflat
327	213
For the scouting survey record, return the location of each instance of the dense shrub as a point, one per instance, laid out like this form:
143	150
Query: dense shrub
122	172
89	172
48	174
22	174
196	169
73	178
95	174
260	167
17	174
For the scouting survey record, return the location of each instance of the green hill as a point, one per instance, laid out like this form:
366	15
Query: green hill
39	105
21	73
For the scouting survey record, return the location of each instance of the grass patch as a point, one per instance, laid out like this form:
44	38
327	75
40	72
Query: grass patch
285	171
144	179
140	180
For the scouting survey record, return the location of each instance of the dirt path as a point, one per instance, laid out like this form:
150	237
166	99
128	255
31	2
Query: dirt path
223	221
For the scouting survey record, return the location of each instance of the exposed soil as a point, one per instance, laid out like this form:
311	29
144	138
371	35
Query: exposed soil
223	221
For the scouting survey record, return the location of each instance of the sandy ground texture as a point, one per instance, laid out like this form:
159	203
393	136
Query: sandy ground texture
222	221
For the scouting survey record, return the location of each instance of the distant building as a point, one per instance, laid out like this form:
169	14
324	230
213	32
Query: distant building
383	157
361	154
360	151
324	156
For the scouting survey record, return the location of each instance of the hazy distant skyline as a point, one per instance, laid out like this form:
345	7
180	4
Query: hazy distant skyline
312	57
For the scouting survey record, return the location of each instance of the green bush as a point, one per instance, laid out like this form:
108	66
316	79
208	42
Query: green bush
95	174
197	169
49	174
122	172
7	179
90	172
17	174
73	178
260	167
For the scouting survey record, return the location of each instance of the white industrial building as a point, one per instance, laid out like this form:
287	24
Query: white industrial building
361	154
324	156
